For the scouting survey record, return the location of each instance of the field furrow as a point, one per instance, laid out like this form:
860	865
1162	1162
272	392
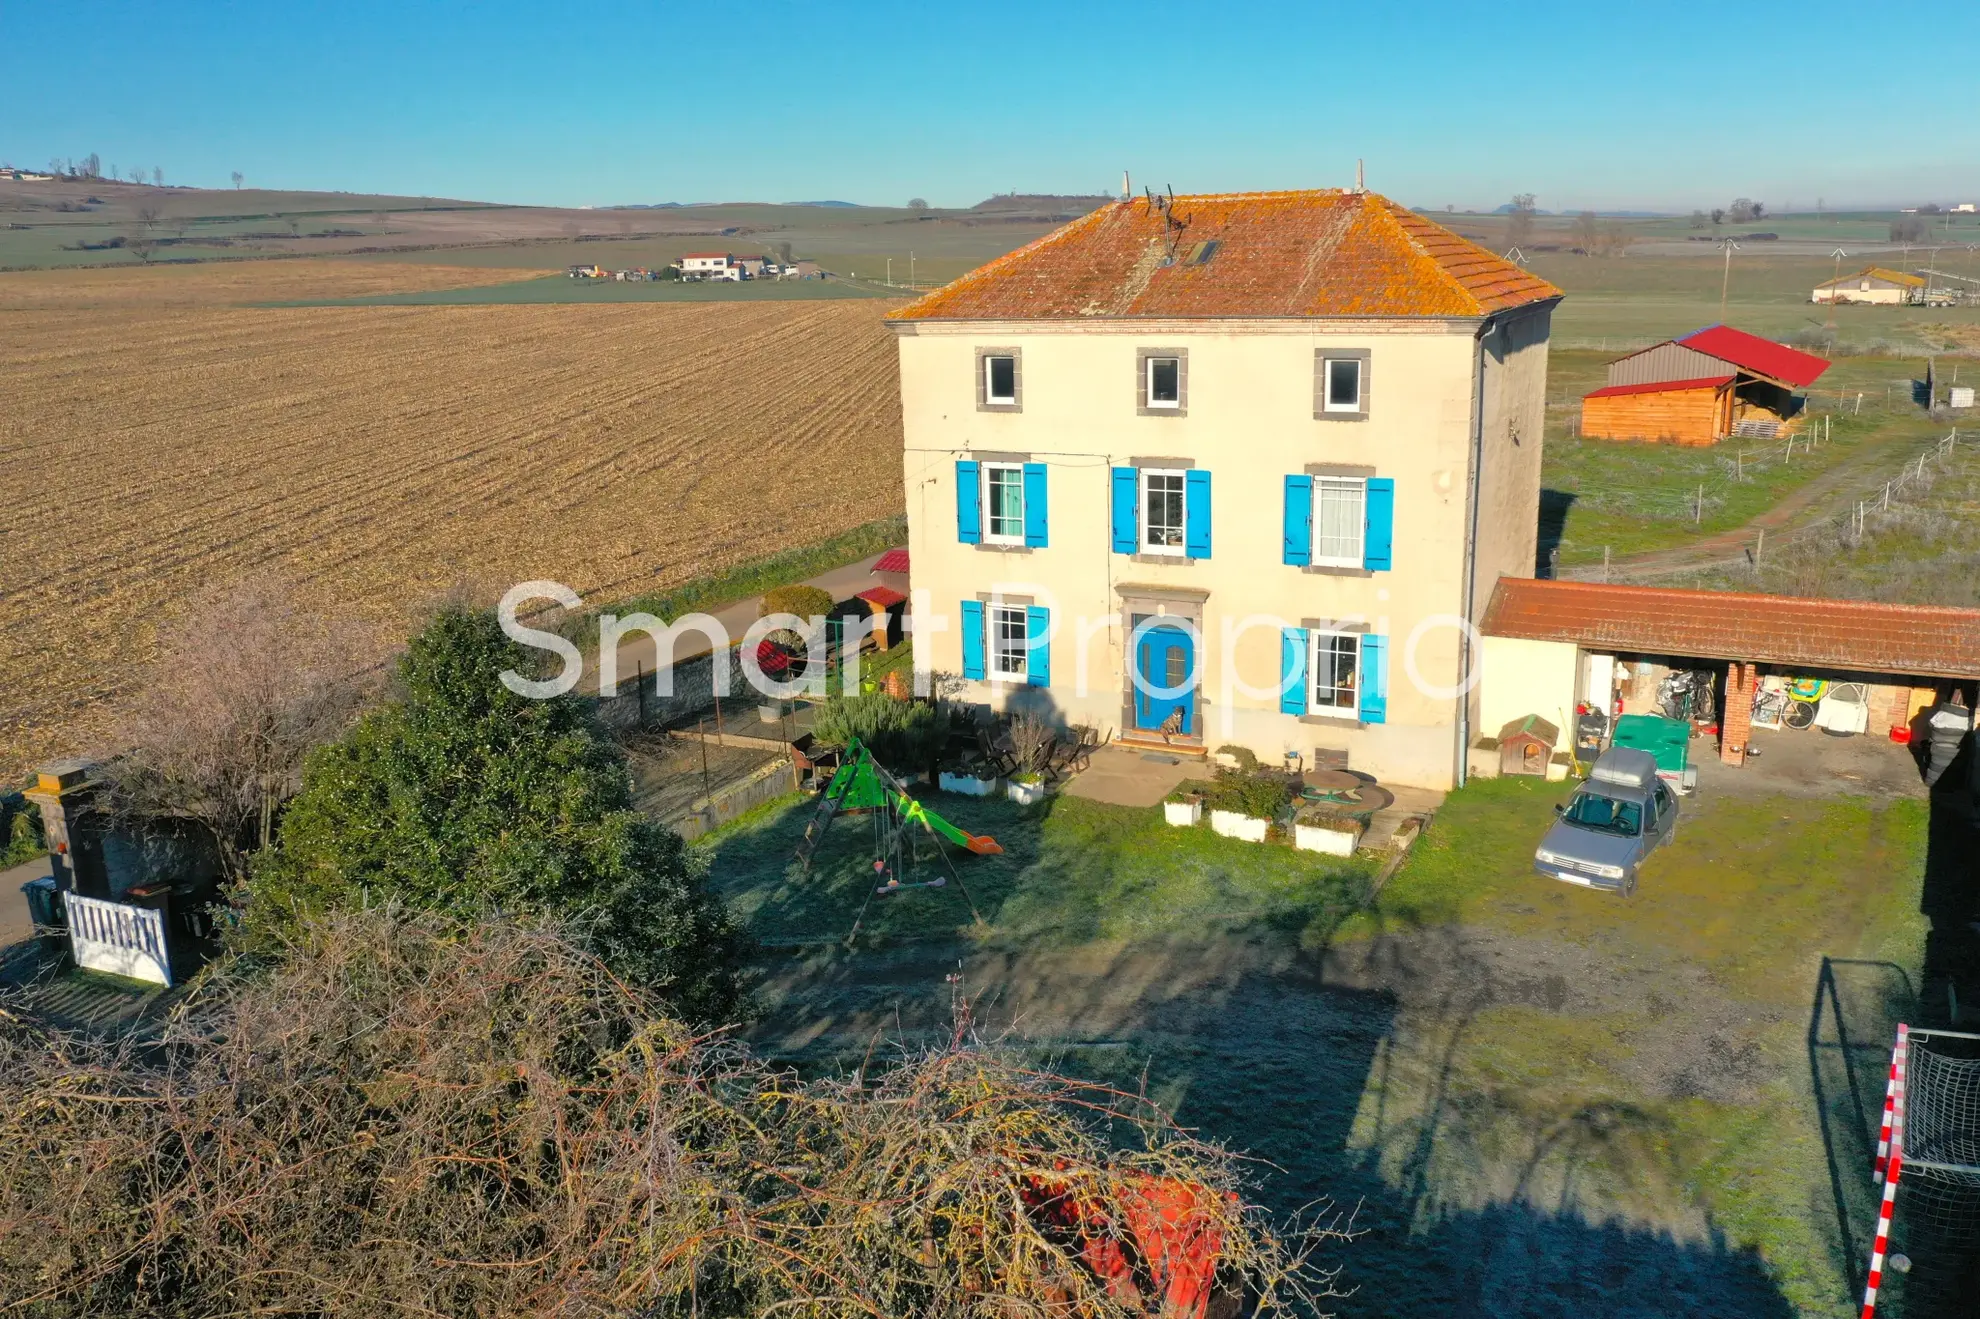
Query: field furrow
378	456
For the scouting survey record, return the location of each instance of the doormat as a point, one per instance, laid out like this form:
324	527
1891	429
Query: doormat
1161	759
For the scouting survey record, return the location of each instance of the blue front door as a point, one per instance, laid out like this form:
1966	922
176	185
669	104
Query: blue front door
1163	661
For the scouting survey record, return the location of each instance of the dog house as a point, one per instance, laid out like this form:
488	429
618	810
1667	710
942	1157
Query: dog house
1526	745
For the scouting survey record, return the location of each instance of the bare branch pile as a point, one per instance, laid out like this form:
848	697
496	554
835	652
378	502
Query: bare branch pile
398	1120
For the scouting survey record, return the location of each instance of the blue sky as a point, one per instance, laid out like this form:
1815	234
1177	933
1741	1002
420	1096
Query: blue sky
1604	105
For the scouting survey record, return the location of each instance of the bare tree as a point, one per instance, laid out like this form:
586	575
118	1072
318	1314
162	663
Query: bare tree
1744	211
1587	232
245	685
142	246
1519	219
157	176
92	166
917	204
1718	216
1698	219
237	180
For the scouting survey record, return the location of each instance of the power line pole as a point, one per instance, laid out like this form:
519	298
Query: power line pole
1725	284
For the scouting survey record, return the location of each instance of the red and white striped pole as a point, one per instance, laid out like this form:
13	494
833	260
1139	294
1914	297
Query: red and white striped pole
1883	1236
1890	1157
1890	1098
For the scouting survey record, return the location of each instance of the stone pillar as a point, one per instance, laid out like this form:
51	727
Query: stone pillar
1736	722
65	791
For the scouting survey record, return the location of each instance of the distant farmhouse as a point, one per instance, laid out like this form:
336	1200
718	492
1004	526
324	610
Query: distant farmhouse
1700	388
1873	284
711	265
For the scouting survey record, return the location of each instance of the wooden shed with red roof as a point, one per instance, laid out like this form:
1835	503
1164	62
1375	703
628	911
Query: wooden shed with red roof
1699	388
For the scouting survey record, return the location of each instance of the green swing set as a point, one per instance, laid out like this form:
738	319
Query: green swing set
863	784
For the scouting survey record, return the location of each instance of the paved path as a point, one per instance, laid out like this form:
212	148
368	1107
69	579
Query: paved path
639	649
1130	776
14	922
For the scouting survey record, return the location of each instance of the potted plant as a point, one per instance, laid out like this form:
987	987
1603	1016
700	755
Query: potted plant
1026	788
1183	807
1032	738
1246	804
1319	830
969	780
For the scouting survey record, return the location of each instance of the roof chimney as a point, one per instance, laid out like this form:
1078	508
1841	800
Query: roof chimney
1359	184
1127	189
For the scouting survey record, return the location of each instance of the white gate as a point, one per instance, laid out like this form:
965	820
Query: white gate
118	938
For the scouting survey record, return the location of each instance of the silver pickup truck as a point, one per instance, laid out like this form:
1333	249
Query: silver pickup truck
1614	820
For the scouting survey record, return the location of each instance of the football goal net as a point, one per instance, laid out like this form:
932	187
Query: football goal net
1925	1263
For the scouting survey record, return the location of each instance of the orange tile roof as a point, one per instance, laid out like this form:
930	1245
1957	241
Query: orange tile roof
1320	253
1794	631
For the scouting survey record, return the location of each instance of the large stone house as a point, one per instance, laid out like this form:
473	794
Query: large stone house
1236	469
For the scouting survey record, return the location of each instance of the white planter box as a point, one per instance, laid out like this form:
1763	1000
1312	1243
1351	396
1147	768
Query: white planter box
1182	813
966	785
1232	825
1334	842
1025	794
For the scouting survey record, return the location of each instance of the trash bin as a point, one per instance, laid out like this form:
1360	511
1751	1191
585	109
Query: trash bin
44	903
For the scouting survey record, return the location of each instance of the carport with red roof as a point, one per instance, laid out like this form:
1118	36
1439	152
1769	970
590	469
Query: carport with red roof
1902	654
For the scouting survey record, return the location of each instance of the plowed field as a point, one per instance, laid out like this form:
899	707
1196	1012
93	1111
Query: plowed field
379	456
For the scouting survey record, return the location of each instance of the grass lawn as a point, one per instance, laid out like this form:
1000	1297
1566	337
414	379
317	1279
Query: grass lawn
1544	1100
1072	872
1636	498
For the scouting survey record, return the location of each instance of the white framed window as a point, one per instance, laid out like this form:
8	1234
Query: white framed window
1162	383
1003	503
1009	643
1343	384
1000	379
1161	511
1334	669
1339	520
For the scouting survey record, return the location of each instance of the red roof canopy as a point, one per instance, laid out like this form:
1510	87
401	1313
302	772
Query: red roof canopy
1763	357
1660	386
1862	636
882	597
891	561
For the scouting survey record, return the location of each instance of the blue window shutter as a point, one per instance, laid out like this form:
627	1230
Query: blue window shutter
1292	672
1034	504
969	504
972	639
1380	533
1127	486
1037	634
1196	513
1374	679
1299	520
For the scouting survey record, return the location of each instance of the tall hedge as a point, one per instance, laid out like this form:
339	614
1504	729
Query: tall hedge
461	797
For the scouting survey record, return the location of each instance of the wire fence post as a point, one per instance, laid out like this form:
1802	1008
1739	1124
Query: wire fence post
1605	563
1758	546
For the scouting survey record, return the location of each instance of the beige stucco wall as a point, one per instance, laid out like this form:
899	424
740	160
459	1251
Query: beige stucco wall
1850	292
1249	421
1522	677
